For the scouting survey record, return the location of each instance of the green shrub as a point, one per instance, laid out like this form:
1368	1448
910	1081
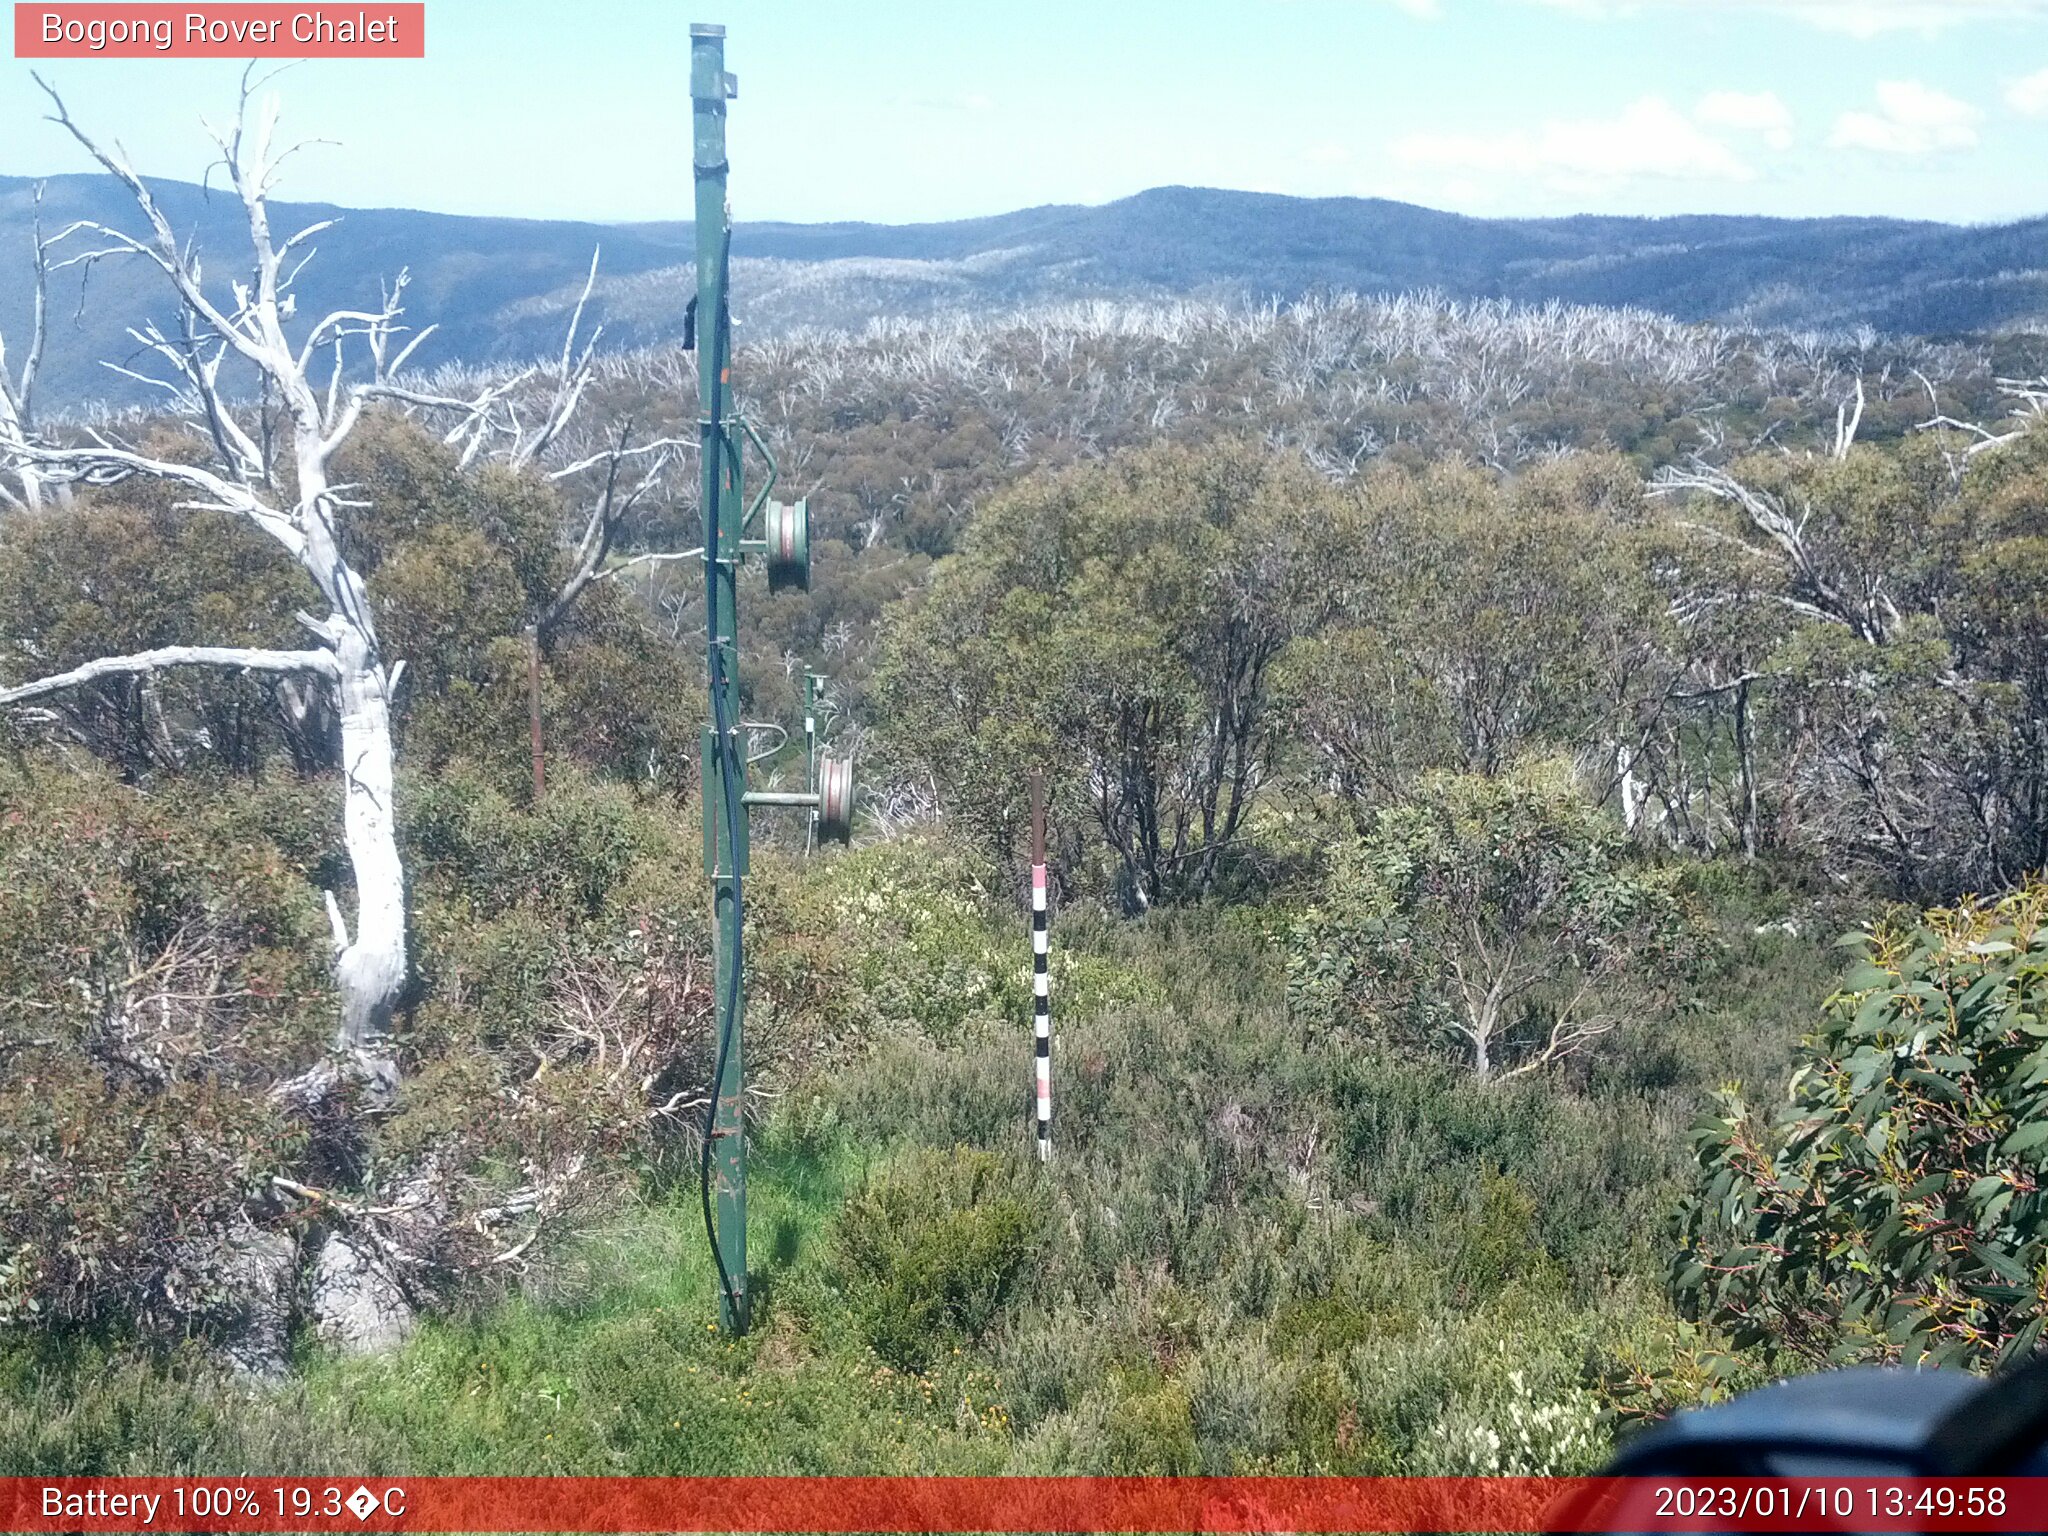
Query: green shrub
1583	1184
1495	921
1894	1209
1151	1431
131	567
161	964
475	846
1499	1242
929	1250
1249	1406
442	597
118	1201
564	977
1317	1325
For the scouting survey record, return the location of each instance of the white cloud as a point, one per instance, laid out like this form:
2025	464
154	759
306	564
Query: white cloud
1762	113
1428	10
1858	18
1651	138
1868	18
2029	96
1912	119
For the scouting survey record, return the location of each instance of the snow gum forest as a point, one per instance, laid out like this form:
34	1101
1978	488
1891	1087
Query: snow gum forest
1546	805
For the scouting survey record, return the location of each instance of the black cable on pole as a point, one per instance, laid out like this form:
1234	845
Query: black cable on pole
728	776
729	780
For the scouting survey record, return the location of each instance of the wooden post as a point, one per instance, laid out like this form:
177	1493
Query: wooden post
1041	977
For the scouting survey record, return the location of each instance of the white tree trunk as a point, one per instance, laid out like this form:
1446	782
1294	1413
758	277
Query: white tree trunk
370	971
17	398
11	426
1631	789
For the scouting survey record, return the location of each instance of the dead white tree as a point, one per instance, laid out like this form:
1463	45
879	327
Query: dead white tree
1858	602
612	503
244	335
2029	402
18	390
1847	423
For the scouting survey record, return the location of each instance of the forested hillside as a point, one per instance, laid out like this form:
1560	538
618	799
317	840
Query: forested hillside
501	289
1470	728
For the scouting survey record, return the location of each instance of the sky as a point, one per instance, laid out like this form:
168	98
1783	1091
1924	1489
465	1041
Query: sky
902	111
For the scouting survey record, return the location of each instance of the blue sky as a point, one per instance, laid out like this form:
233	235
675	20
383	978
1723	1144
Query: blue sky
899	110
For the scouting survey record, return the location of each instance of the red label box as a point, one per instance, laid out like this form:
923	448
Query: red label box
108	30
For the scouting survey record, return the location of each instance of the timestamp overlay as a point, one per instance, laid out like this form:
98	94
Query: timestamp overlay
888	1504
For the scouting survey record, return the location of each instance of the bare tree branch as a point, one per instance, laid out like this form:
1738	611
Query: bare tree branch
607	514
1874	618
573	378
659	557
235	658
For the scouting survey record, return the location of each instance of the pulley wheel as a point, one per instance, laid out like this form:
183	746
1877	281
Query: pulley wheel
788	531
835	799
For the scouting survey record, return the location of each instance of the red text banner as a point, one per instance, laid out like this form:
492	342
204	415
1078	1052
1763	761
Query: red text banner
108	30
901	1504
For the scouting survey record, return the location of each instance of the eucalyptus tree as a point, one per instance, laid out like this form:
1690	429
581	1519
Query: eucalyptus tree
1121	625
266	458
1861	637
1496	920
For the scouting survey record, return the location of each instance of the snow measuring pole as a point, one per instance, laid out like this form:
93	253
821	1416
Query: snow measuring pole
785	542
1041	972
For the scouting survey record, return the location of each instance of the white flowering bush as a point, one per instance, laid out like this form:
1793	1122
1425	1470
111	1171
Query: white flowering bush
922	949
1523	1432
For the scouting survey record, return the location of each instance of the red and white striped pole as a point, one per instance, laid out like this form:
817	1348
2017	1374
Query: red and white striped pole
1041	975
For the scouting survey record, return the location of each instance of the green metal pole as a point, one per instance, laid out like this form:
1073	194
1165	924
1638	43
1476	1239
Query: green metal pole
725	827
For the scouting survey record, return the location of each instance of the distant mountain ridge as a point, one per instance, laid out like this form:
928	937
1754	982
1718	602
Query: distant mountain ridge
500	288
